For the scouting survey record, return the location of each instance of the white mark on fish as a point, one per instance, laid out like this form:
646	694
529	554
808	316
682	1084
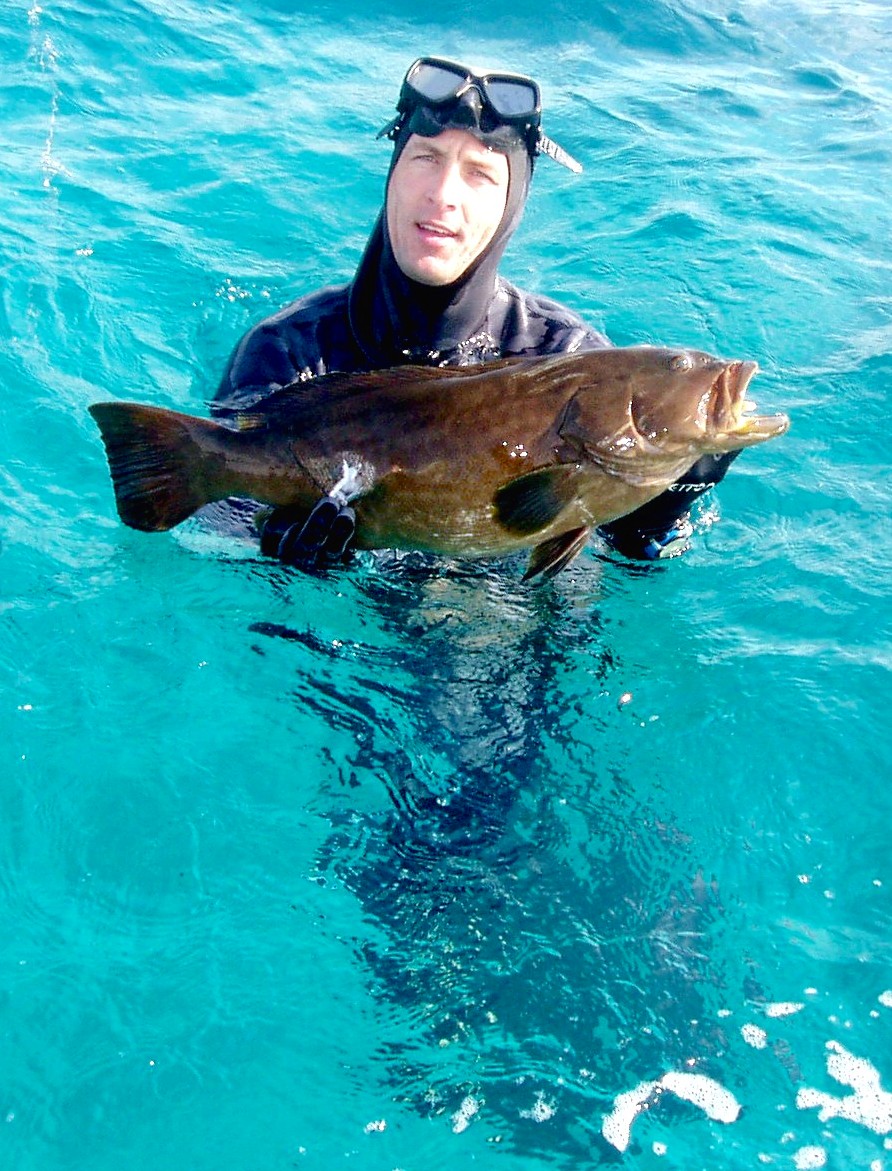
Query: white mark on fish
350	484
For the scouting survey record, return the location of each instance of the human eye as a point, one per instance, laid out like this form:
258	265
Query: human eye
428	148
481	173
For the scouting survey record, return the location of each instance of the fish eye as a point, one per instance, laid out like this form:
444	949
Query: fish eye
681	362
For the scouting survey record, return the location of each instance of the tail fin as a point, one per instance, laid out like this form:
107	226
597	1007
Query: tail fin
156	460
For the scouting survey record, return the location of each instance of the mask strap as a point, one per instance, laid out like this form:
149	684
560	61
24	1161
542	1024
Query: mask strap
544	144
391	129
548	146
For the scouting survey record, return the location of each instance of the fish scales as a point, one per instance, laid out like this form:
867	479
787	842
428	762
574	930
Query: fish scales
478	461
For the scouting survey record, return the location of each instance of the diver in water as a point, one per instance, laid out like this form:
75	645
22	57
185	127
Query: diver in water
428	291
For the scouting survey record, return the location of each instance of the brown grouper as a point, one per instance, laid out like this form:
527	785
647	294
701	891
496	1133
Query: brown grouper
474	461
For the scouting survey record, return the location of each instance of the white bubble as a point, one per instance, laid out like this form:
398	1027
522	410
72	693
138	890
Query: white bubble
807	1157
885	998
698	1089
712	1098
617	1126
754	1036
540	1111
783	1008
463	1115
869	1104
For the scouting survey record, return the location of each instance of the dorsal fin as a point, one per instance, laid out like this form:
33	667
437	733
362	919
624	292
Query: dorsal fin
305	393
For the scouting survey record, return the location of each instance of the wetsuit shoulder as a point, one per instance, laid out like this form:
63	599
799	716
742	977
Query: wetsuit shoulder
530	323
311	336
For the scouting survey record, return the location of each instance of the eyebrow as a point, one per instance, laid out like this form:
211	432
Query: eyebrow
481	157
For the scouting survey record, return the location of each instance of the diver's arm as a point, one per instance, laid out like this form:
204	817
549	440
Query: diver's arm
307	338
261	363
662	527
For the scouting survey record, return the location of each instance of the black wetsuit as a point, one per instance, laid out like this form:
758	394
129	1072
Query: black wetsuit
315	336
383	318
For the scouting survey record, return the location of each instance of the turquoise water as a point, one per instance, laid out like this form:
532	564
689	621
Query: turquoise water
413	867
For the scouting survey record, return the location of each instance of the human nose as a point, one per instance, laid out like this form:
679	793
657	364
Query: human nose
446	186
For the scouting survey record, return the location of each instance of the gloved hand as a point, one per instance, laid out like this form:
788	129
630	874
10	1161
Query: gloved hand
325	537
662	528
641	545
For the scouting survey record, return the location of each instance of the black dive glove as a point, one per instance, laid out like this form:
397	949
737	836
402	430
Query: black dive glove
662	527
325	537
645	545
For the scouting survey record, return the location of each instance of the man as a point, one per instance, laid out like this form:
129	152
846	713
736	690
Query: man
427	290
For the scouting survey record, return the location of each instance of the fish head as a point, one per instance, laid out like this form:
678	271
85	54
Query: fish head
665	407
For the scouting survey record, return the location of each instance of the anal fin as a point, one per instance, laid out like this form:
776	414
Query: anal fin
551	556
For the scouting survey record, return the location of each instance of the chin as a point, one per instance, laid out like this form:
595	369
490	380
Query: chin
423	275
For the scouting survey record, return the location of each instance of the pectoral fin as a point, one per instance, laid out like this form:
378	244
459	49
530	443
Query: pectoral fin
532	502
551	556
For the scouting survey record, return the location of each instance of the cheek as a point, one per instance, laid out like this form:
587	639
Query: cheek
395	215
395	197
490	215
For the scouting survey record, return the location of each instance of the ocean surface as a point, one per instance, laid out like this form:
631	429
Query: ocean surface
414	867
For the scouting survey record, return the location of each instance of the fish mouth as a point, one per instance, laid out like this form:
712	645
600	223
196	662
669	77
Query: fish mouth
730	413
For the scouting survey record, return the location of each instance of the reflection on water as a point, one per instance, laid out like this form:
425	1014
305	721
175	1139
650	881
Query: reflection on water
545	935
564	978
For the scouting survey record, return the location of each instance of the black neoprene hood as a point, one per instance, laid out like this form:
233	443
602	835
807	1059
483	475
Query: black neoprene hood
395	318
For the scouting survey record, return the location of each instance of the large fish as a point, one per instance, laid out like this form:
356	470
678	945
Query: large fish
474	460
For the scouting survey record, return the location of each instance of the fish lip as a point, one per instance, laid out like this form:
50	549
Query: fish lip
728	407
726	395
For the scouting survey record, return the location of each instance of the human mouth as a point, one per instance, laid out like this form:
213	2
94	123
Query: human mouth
438	231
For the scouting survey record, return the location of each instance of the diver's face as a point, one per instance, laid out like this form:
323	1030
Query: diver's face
445	199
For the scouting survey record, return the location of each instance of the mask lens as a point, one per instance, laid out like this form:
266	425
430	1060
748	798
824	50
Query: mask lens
512	99
434	83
